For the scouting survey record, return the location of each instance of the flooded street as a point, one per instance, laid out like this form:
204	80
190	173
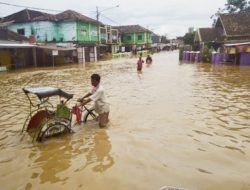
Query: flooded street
182	125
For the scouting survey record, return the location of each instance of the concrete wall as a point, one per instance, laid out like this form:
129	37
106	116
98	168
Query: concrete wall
26	26
145	38
66	31
44	31
86	31
48	31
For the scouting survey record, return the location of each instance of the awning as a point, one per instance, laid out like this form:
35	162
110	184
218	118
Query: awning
7	45
56	48
238	44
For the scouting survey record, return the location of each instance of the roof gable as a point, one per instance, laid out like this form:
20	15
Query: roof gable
25	15
209	34
73	15
236	24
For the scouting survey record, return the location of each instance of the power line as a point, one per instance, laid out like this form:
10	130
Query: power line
110	19
35	8
14	5
53	10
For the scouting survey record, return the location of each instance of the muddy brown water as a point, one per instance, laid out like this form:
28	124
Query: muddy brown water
174	124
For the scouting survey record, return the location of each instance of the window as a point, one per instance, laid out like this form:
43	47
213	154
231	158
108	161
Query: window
139	37
21	31
32	31
83	30
129	38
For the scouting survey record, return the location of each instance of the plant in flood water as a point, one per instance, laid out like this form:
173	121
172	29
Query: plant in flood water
206	54
106	56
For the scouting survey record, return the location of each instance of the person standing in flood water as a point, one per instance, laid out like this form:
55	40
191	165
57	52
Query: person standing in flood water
149	59
98	97
139	63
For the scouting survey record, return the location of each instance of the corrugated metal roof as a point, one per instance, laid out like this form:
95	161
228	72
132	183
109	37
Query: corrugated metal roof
56	48
238	44
12	45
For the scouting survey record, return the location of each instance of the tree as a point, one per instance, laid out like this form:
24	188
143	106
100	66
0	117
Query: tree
233	6
164	39
188	38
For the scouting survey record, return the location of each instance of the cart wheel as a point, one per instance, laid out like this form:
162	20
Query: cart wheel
52	129
90	115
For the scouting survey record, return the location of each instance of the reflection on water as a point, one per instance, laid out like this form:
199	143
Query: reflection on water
58	155
171	125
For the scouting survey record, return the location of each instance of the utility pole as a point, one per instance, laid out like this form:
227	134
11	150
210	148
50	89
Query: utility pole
98	23
98	26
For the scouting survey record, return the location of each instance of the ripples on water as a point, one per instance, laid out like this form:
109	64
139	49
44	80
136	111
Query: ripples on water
173	124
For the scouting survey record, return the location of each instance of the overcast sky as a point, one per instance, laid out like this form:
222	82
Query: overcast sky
164	17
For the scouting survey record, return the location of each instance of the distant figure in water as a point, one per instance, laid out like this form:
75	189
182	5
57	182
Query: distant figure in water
139	63
149	59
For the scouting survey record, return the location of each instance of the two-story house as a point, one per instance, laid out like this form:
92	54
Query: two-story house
68	29
109	36
135	36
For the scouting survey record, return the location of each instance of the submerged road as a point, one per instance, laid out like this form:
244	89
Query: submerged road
174	124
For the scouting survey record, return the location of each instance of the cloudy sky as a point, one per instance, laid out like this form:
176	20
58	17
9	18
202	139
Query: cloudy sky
164	17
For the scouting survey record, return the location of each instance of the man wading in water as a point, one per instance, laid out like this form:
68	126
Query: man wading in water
97	96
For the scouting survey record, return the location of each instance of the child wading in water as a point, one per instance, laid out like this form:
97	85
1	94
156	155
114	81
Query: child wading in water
139	63
149	59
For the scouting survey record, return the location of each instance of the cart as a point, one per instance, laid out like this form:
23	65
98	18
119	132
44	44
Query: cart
44	119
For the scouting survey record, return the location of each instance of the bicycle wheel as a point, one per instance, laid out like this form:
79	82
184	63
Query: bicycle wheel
52	129
90	115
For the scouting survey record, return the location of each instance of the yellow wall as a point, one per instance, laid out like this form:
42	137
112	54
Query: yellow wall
232	50
248	49
5	58
59	60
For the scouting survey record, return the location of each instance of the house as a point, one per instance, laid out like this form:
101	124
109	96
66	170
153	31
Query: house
209	37
234	27
69	28
230	28
135	36
109	39
15	51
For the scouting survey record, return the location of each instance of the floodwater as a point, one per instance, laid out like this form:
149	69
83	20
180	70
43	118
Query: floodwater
174	124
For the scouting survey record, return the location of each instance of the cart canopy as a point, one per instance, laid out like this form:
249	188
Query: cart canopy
47	91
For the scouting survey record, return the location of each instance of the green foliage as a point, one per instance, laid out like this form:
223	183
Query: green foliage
233	6
206	54
188	38
164	39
